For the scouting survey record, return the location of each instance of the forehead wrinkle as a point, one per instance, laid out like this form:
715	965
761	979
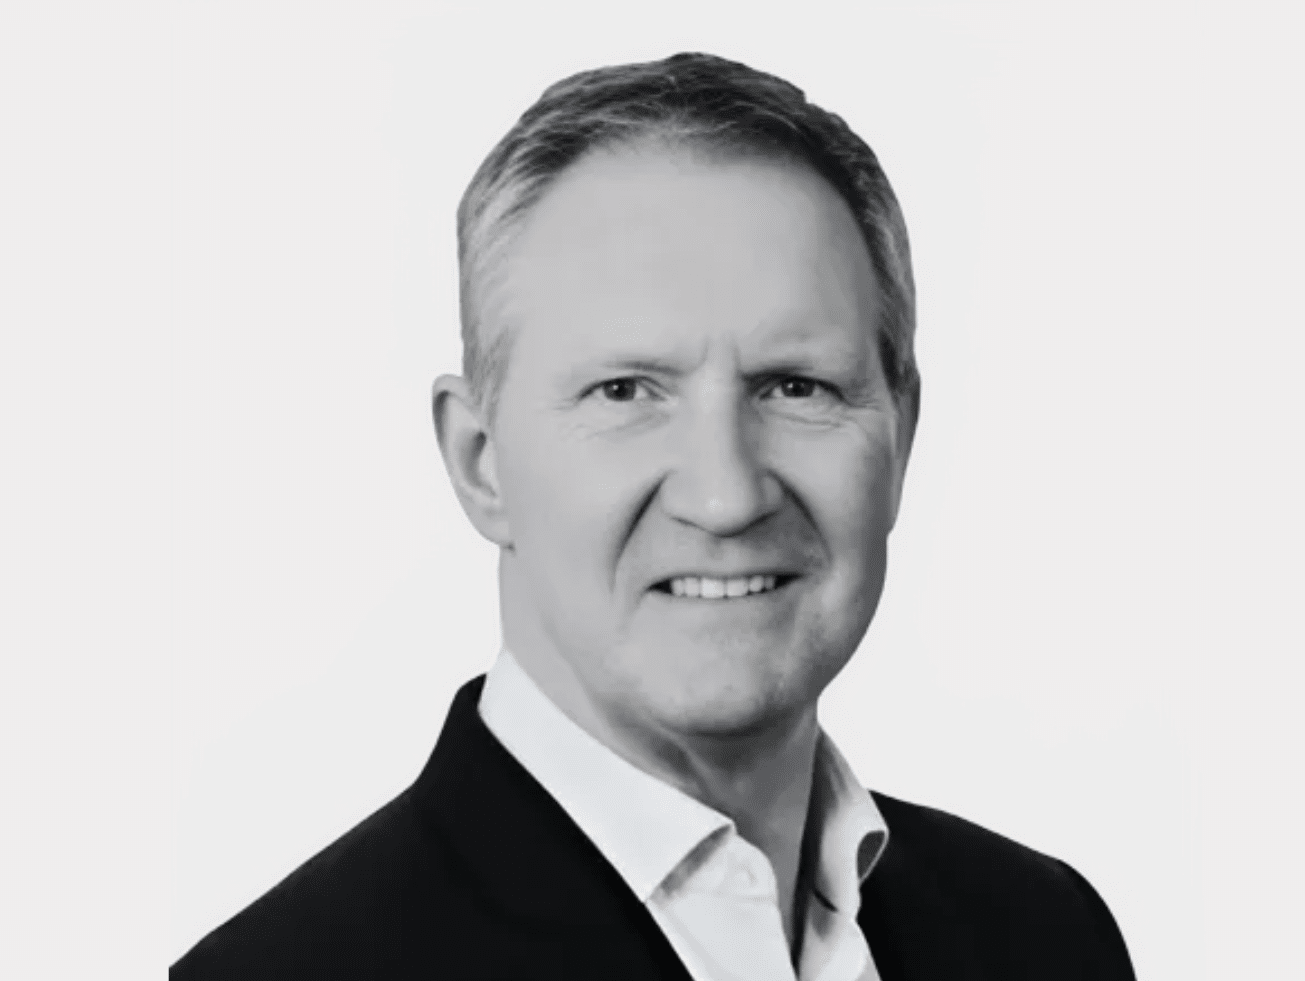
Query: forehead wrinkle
799	349
836	282
653	341
810	338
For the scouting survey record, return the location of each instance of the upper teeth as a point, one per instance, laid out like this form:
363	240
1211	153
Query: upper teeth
706	587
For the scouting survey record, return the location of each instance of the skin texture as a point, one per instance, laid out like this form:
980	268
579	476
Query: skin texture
694	388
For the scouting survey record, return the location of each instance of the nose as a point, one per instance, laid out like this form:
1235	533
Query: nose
718	482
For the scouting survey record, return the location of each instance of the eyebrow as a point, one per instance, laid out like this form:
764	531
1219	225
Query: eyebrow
794	349
650	364
785	360
846	369
821	359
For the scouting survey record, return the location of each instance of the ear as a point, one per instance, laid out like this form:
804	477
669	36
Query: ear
469	456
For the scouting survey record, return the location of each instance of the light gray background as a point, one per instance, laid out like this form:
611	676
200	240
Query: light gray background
1089	636
1077	583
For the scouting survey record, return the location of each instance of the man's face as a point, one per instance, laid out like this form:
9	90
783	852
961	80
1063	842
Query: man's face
694	405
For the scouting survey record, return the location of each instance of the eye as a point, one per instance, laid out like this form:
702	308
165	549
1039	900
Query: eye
797	387
617	389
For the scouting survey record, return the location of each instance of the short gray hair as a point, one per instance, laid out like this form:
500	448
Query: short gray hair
687	99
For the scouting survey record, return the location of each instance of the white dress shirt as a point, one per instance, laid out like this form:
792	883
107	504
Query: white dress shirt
712	893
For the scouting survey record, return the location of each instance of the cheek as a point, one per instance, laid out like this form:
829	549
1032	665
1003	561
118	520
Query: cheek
566	504
877	481
852	504
848	483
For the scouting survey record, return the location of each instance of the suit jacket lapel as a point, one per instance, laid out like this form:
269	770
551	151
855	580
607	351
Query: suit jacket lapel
532	861
536	867
915	931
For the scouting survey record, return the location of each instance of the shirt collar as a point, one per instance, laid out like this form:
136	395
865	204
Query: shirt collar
853	833
646	828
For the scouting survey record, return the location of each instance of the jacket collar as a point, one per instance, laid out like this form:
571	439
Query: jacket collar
912	923
517	843
646	828
531	862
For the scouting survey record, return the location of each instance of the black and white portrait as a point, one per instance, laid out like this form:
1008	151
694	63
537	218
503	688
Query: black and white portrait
720	493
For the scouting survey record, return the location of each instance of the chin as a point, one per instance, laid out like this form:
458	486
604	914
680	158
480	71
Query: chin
728	721
713	688
722	707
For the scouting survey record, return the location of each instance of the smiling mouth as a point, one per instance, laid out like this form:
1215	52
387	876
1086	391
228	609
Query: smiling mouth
712	588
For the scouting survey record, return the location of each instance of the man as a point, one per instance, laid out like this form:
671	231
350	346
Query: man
690	397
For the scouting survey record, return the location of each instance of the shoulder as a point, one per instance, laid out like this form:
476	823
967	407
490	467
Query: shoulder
962	851
1015	904
361	901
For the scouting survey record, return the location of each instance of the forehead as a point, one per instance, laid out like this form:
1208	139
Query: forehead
676	246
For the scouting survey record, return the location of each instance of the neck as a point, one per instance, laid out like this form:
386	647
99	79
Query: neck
761	780
763	784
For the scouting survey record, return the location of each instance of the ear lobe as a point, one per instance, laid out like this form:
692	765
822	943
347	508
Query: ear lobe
469	457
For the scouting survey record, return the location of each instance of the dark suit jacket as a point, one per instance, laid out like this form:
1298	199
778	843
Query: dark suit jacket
476	872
